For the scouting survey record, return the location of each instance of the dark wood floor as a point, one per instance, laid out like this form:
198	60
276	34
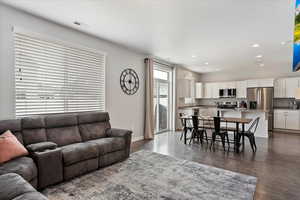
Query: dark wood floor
276	164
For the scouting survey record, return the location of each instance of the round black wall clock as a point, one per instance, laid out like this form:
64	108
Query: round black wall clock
129	81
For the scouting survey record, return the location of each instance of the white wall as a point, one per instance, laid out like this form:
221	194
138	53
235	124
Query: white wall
125	111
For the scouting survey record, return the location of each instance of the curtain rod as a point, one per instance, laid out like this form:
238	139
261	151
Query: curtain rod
159	62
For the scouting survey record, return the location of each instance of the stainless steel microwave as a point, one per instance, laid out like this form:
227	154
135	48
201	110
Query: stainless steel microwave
227	93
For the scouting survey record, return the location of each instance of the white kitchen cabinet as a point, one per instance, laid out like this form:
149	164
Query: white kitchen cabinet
211	90
208	91
287	119
260	83
227	85
252	83
279	119
215	90
231	85
286	87
292	120
266	82
279	88
291	84
192	88
199	90
241	89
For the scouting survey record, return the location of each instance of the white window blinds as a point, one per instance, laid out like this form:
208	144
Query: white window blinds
51	77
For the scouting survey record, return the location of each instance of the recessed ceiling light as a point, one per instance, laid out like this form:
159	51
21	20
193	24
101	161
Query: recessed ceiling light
283	43
206	63
194	56
261	64
255	45
259	56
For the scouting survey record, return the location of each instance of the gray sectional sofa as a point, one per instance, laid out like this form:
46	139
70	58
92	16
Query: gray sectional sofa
61	147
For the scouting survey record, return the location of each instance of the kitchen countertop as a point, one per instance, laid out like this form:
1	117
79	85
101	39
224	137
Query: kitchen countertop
196	106
222	109
284	108
243	110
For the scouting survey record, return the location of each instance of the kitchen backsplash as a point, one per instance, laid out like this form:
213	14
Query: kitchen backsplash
278	103
214	101
284	103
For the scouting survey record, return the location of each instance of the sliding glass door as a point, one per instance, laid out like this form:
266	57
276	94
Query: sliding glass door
162	98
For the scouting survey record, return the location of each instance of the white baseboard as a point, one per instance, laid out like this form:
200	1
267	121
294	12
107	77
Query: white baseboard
137	138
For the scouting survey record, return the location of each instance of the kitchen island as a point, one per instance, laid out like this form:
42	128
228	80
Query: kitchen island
262	129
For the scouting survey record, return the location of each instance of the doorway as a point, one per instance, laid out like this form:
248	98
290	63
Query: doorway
162	98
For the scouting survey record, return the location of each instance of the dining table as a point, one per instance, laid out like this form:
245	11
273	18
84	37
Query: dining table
231	120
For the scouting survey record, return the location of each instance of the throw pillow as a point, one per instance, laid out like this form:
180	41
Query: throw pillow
10	147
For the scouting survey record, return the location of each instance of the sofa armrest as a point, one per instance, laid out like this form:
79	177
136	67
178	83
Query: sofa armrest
50	166
113	132
42	146
126	134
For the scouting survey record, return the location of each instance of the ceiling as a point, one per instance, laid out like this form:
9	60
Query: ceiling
203	35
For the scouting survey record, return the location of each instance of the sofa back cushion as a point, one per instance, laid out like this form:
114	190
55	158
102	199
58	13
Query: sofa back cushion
93	125
33	130
14	126
62	129
10	147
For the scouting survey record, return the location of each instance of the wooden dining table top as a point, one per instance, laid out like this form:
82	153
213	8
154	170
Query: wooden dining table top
223	119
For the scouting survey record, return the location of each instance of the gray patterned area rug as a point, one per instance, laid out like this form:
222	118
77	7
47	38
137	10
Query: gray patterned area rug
147	175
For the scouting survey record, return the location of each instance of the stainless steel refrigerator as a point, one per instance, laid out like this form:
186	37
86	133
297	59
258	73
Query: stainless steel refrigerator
262	99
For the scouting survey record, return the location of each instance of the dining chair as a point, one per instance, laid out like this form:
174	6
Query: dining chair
250	133
222	133
203	126
185	126
197	132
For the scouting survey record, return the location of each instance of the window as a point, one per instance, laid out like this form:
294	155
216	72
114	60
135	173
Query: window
56	78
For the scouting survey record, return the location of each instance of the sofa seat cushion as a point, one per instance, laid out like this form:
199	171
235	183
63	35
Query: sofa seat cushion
24	166
13	185
78	152
108	145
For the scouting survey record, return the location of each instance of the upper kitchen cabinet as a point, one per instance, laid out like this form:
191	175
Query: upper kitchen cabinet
286	87
186	88
208	90
279	88
211	90
241	89
291	85
227	85
260	83
199	90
